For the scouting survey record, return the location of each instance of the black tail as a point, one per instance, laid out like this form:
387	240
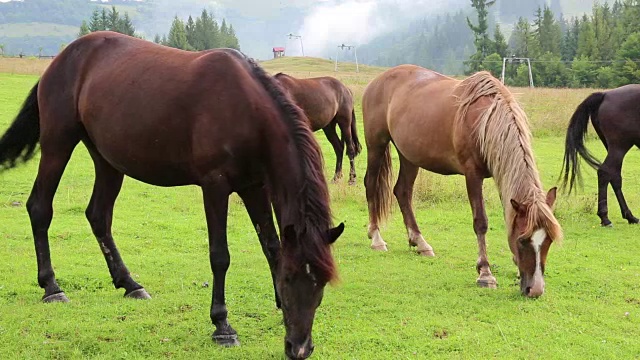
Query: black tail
354	133
19	143
574	144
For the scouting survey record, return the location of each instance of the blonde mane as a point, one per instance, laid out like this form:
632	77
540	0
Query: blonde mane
504	139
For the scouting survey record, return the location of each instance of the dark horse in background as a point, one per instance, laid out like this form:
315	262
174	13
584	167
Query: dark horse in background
328	103
616	119
169	118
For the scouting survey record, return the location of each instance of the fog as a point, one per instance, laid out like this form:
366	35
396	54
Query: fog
356	22
323	24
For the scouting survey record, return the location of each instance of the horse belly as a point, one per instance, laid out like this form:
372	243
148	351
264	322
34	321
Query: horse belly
426	141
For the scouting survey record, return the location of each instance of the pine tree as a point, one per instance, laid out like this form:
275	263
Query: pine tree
522	38
178	36
104	20
190	28
484	45
587	46
500	43
125	26
233	42
113	19
224	35
84	29
570	40
157	39
95	23
548	33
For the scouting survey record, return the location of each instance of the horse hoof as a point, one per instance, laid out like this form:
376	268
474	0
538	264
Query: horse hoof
53	298
140	294
379	247
428	253
226	340
487	282
608	224
633	221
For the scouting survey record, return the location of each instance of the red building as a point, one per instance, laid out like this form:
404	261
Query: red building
278	52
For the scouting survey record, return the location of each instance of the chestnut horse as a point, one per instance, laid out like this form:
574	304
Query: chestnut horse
168	117
614	115
327	103
474	128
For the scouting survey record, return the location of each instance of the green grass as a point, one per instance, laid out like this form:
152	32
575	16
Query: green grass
37	29
393	305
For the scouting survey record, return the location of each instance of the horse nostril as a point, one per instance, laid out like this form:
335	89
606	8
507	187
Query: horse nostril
288	347
527	291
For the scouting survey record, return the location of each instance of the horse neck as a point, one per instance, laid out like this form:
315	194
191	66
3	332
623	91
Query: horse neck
298	194
507	149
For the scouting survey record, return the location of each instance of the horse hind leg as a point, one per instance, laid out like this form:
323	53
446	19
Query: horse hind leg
376	181
612	165
56	148
106	188
403	191
338	147
347	138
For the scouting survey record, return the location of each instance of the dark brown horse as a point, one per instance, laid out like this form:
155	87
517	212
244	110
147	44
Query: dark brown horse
327	103
169	117
616	119
472	127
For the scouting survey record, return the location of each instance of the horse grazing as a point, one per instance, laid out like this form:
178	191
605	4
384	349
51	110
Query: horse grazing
327	103
474	128
614	115
168	117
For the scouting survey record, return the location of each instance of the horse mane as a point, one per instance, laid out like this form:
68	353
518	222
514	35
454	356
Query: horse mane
313	215
503	135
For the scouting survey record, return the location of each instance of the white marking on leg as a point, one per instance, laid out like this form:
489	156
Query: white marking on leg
418	240
376	239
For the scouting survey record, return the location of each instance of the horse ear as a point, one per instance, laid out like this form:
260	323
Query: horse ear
516	206
335	233
289	235
551	196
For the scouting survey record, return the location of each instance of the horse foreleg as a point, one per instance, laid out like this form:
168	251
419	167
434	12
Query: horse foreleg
99	213
338	147
480	226
404	194
256	200
216	206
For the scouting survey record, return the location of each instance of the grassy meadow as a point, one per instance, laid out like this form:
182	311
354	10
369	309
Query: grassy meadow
393	305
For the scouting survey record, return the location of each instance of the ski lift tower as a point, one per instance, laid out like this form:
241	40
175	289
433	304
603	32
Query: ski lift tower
516	60
299	37
347	47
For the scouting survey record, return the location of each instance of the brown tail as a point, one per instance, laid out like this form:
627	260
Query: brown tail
378	182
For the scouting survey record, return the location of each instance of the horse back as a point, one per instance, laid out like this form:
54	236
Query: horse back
321	98
163	116
618	117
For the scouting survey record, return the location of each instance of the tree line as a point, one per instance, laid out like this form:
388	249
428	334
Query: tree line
203	33
601	49
435	42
